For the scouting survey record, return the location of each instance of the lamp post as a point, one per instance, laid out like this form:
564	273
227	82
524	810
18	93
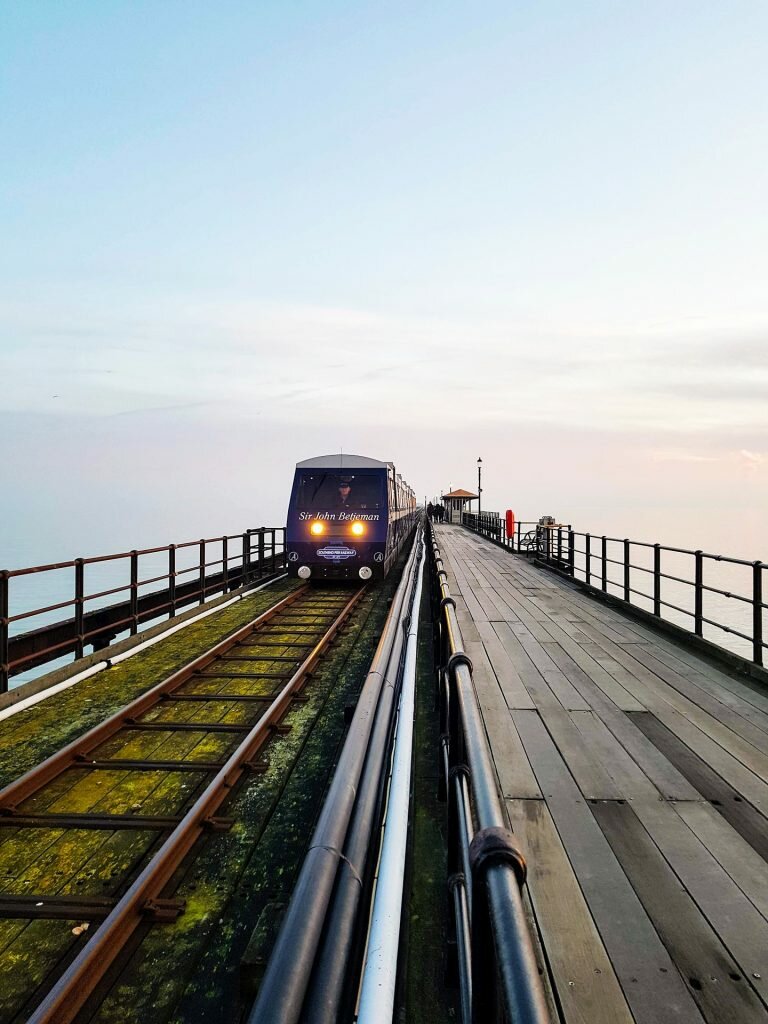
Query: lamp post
479	489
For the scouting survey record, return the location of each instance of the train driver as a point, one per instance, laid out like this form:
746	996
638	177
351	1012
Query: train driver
345	491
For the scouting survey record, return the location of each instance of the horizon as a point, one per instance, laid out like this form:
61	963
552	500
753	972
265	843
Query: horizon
237	238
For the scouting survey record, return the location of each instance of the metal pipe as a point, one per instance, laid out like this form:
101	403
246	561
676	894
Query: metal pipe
377	996
342	934
458	886
284	986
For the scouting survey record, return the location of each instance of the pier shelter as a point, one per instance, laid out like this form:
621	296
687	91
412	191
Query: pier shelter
454	503
634	774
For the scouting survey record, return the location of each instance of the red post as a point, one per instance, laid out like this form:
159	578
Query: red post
510	526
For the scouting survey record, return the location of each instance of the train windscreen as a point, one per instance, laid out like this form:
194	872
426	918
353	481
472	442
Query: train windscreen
319	491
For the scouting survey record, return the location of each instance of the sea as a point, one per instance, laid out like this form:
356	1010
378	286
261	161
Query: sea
720	533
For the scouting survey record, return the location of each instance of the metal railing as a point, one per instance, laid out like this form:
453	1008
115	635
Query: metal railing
494	527
498	975
241	559
669	583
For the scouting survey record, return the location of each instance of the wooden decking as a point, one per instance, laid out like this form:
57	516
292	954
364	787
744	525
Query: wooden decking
636	778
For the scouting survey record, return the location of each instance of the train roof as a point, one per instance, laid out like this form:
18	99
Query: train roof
342	462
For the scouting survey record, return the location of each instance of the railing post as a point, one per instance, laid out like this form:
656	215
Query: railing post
246	558
698	608
604	565
79	616
657	580
559	544
757	613
171	580
588	556
547	544
4	628
627	560
273	548
224	565
284	561
261	551
518	535
134	593
202	572
572	567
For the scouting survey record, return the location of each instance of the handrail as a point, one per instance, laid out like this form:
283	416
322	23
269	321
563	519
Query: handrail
255	552
556	548
497	962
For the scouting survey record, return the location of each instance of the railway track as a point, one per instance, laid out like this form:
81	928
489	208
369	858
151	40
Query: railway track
94	836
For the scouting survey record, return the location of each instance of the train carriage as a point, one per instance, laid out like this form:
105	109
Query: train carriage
348	518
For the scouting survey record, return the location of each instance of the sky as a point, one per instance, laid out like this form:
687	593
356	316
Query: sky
236	235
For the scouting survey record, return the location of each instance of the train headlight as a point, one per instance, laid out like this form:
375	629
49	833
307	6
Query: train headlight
365	572
358	528
304	572
317	528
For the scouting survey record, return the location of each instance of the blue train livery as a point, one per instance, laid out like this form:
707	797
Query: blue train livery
348	518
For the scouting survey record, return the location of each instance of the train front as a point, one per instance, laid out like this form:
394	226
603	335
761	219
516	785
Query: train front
337	524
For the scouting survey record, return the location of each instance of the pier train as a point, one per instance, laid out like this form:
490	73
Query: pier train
348	518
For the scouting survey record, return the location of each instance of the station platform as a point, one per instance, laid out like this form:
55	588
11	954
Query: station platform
635	776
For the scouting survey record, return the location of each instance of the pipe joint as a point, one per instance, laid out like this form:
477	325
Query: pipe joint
459	658
456	881
496	846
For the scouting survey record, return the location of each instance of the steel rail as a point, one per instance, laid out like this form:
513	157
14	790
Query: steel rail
70	993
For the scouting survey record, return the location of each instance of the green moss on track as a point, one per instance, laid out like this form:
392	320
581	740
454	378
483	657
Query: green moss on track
189	971
28	737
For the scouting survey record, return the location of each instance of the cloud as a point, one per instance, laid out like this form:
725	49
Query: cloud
675	455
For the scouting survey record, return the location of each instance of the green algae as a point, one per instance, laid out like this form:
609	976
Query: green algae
237	873
31	735
226	887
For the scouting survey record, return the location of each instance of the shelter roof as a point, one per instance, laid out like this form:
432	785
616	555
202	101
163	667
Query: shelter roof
459	494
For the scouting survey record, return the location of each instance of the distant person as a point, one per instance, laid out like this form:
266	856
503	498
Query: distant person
344	494
430	511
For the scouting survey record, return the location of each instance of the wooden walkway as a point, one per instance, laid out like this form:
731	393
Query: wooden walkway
635	776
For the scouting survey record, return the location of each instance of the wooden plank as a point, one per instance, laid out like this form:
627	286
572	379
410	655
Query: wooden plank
728	767
516	778
686	664
510	682
557	681
745	866
590	775
586	984
670	782
745	720
651	985
594	682
534	682
714	979
489	695
655	693
739	925
629	777
738	812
